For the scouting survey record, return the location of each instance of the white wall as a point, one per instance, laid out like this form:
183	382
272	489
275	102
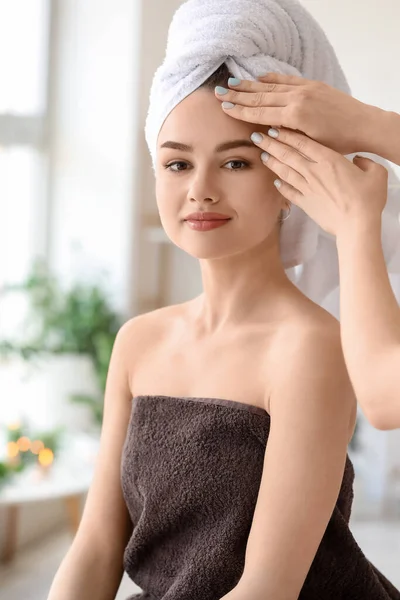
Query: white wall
103	185
94	133
365	36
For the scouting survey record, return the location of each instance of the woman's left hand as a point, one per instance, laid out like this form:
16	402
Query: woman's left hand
336	193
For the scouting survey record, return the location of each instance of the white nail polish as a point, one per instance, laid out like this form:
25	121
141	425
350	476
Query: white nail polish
228	105
256	137
273	133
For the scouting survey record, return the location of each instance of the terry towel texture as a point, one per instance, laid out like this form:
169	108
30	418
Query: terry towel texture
191	471
253	37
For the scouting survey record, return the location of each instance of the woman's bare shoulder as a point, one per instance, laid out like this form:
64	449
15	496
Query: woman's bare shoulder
152	326
307	331
309	319
309	349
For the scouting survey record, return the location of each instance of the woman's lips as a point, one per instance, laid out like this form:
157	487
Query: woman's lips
206	225
206	221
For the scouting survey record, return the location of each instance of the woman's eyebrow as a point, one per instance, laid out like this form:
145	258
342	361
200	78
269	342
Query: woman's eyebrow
235	144
220	148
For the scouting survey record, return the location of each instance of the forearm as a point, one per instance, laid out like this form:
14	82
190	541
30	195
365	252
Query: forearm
370	322
84	575
382	131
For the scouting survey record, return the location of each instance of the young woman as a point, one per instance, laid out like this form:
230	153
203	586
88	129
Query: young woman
250	356
226	477
339	124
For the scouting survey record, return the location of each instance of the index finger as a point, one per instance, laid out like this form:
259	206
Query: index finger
306	146
247	85
283	79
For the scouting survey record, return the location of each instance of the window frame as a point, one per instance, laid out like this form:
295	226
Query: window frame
34	130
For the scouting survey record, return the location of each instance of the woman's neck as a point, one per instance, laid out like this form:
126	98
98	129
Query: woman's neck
240	287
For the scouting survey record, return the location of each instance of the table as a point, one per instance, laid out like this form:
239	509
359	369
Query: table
69	479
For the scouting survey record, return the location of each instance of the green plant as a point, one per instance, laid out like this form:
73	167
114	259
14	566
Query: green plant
75	321
7	471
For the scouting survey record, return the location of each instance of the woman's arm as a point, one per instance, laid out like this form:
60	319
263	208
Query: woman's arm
347	201
312	410
370	320
93	567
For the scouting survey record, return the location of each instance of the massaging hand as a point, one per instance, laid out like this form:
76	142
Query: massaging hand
336	193
322	112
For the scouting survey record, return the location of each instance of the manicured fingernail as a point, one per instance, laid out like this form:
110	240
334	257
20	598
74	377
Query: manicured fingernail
265	156
277	183
234	81
228	105
273	133
257	138
221	90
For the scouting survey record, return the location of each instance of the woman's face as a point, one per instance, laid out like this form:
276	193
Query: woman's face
206	162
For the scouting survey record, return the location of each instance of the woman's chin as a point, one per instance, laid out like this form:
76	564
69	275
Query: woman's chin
206	250
208	246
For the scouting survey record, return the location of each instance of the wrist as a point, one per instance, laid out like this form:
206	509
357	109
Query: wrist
376	130
359	231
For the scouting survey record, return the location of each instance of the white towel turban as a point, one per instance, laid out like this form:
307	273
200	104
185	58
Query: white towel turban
253	37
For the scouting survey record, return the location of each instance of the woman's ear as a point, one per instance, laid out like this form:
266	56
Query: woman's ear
285	212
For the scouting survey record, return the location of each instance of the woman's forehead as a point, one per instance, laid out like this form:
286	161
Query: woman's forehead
200	117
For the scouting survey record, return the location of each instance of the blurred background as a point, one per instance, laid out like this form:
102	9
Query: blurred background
81	251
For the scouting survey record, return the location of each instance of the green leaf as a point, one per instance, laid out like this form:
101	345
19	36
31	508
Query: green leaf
79	320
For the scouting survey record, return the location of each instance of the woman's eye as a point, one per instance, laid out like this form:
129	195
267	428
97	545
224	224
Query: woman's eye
237	165
232	165
177	166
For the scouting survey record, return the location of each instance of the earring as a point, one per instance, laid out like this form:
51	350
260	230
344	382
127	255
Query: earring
289	210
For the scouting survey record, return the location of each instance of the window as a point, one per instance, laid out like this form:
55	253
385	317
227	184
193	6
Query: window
24	57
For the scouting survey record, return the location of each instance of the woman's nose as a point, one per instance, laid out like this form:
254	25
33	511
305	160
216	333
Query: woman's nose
207	200
203	191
